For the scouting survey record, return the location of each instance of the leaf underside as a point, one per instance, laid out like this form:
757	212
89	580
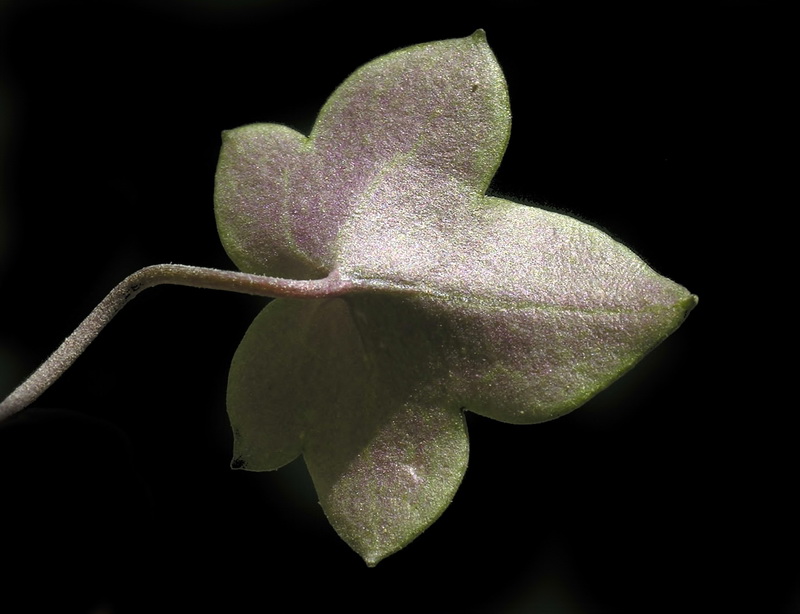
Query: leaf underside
462	300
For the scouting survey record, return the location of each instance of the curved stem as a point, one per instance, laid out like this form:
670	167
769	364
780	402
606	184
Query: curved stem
176	274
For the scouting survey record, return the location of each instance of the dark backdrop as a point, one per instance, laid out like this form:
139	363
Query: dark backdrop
672	491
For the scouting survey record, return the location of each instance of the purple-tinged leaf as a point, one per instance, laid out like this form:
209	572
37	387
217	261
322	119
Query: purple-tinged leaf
460	301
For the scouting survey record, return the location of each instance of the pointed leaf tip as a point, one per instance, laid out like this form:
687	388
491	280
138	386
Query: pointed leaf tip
479	35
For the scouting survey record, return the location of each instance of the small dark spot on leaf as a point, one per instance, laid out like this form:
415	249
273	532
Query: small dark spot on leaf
237	463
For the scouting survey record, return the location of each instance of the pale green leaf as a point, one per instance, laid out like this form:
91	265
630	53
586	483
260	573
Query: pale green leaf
460	301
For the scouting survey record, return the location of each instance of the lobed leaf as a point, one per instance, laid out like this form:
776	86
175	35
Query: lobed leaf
462	301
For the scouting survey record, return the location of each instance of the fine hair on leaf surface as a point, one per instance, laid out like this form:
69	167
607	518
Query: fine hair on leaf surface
404	294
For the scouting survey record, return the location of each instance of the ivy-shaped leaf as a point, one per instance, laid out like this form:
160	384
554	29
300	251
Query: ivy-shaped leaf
460	300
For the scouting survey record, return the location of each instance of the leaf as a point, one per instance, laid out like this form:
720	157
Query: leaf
461	301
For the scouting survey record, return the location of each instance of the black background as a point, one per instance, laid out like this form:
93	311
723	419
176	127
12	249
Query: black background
672	491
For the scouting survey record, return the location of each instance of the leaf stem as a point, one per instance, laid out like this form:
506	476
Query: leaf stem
175	274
